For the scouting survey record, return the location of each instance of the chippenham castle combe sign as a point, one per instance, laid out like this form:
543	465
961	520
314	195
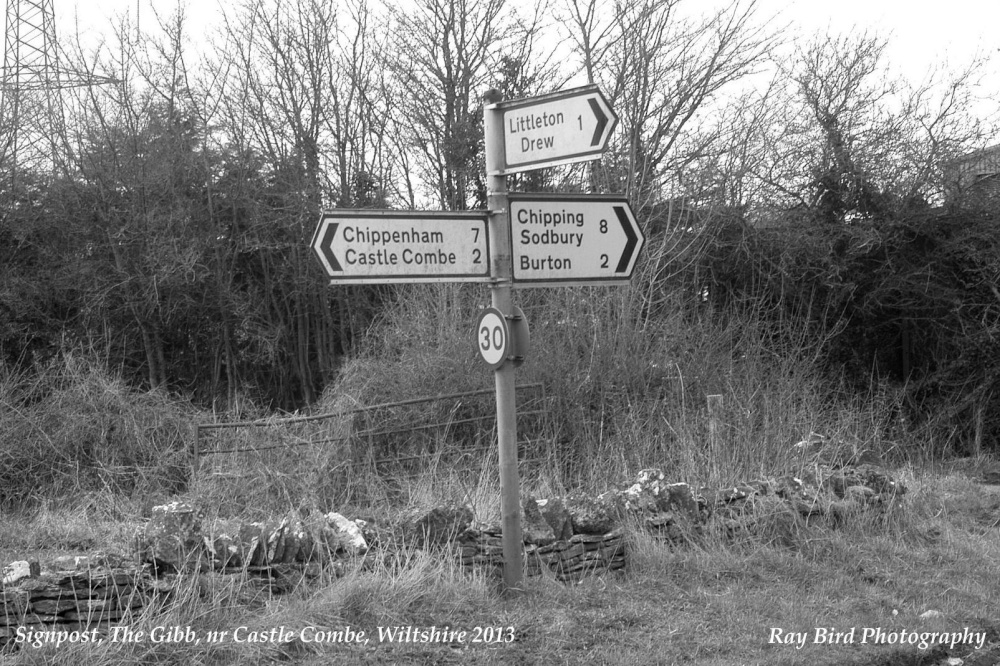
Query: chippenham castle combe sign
365	246
522	240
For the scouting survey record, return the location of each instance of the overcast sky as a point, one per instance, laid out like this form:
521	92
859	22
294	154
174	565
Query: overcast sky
923	33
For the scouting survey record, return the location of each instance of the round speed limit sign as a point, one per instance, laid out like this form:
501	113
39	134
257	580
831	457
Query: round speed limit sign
492	337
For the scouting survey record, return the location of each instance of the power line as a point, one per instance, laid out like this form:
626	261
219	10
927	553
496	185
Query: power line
31	105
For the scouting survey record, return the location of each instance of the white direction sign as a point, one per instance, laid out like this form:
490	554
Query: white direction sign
558	238
384	247
561	128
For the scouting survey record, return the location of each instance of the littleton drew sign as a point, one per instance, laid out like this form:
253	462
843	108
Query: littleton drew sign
561	128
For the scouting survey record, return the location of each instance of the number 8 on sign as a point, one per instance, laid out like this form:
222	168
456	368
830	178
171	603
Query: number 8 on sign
492	337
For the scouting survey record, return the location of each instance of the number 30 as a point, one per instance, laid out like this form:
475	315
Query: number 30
497	337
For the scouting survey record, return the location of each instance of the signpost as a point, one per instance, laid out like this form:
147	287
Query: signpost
380	247
503	377
561	128
569	240
522	240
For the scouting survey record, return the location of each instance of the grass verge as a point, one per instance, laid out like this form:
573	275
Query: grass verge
712	602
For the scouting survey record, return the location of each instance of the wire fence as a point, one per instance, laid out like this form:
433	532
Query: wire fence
393	439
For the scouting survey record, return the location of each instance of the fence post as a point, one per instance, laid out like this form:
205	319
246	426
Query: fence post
714	415
196	453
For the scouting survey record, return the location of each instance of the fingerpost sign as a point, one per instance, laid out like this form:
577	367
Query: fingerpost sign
557	240
386	247
559	128
561	239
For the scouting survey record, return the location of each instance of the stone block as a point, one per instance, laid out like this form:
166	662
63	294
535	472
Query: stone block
29	619
438	525
51	606
788	487
554	547
574	551
806	508
534	528
223	549
172	537
275	543
587	538
74	563
15	572
590	515
660	521
646	494
98	616
249	544
555	513
114	579
344	536
860	494
299	545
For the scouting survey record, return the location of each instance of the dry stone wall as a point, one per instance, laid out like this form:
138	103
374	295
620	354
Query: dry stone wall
178	539
98	593
818	494
566	559
568	538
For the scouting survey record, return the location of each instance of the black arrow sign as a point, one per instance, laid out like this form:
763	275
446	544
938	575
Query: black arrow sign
326	247
630	244
602	121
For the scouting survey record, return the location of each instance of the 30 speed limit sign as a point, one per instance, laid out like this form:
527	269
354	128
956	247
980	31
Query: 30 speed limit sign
492	337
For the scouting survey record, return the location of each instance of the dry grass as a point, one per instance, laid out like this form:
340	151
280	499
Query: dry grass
73	430
710	602
82	458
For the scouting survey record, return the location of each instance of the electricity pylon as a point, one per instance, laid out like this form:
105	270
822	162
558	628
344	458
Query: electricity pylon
31	106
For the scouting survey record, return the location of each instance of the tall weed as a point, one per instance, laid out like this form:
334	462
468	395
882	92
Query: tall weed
627	389
74	429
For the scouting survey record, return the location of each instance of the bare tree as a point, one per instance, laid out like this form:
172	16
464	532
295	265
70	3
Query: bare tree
661	70
837	134
439	66
666	73
941	123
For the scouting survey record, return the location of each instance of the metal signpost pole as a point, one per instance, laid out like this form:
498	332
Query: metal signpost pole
502	272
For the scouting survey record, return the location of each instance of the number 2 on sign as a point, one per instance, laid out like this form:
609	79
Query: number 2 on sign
477	255
491	340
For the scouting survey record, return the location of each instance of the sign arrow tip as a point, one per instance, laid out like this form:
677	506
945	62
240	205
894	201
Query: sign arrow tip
602	121
630	243
326	247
